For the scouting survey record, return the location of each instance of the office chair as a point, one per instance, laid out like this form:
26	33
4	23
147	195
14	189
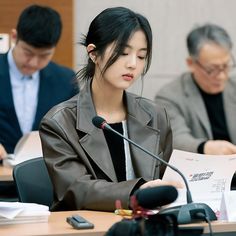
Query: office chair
32	182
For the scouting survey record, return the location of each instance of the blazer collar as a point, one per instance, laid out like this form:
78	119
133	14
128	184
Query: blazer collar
94	142
195	100
141	132
86	110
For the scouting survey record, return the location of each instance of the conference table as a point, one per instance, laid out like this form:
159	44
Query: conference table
57	225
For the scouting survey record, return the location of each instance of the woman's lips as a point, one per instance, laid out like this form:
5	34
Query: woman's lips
128	77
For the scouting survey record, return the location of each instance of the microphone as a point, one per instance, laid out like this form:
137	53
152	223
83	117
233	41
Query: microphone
150	198
101	123
186	213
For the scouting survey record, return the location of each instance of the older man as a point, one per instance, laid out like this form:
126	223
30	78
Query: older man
202	102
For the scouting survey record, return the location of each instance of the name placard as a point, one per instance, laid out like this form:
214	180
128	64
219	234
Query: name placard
228	206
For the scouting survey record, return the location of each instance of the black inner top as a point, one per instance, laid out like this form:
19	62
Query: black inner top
215	110
117	151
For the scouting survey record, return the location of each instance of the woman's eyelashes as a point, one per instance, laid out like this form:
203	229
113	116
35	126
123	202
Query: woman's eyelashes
141	57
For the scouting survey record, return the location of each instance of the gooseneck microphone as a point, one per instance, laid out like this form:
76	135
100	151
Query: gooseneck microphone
101	123
186	213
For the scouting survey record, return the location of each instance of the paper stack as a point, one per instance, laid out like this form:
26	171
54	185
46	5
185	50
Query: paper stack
18	212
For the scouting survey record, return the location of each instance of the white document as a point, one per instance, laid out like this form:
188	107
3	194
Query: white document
208	176
28	147
18	212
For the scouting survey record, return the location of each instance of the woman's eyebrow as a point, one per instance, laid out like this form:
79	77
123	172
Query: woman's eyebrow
141	49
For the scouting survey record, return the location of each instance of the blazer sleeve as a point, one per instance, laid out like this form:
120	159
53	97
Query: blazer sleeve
183	138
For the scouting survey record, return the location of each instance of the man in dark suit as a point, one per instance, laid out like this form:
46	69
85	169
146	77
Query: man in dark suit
30	84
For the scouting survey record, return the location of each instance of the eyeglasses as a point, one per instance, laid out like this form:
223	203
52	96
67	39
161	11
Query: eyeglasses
216	70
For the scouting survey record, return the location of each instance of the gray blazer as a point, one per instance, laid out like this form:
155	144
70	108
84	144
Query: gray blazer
189	120
78	158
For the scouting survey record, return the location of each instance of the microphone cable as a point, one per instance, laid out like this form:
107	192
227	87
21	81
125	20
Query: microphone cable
202	216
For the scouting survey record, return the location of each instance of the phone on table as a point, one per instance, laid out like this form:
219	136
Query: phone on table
78	222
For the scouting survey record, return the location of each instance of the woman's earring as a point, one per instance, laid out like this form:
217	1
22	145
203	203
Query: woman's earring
93	59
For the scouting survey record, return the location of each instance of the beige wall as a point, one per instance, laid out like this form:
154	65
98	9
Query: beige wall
171	20
11	9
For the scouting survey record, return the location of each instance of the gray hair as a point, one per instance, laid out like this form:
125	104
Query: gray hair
208	33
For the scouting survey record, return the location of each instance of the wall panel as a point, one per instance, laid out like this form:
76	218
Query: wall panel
171	20
11	9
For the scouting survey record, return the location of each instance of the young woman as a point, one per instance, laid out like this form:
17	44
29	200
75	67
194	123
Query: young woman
91	168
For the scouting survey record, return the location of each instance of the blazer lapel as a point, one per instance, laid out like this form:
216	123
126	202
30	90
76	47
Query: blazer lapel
229	101
196	102
93	142
148	138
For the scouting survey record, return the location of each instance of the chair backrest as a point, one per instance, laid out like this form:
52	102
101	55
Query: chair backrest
32	182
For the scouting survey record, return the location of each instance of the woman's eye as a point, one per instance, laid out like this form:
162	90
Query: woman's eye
141	57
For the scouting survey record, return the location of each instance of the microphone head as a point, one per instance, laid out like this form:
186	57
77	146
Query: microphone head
151	198
99	122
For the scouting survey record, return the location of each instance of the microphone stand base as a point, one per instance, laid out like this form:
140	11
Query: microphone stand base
189	213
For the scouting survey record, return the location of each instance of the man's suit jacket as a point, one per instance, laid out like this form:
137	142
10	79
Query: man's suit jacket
78	157
189	119
56	85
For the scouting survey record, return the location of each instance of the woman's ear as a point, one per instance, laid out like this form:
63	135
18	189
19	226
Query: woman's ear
91	52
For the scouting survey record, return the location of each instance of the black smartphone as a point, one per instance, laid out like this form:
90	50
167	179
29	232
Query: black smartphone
78	222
